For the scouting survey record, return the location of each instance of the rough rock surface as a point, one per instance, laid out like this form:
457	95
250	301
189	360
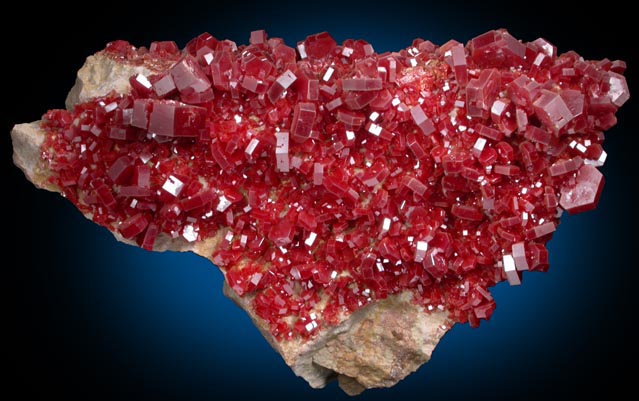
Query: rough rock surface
377	346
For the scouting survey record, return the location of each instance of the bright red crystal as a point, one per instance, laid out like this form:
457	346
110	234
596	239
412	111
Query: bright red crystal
341	176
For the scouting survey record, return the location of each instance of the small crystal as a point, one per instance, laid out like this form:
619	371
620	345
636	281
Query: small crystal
552	110
281	151
584	195
420	119
513	276
173	185
519	255
303	119
223	204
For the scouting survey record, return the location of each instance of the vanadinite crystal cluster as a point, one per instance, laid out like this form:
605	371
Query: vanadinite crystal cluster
329	177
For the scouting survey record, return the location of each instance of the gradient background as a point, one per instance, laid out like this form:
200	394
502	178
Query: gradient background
89	318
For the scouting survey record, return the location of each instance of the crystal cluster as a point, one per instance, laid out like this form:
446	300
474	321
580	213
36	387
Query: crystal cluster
335	176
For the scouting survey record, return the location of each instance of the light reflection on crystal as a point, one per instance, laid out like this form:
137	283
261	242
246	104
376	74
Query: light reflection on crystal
173	185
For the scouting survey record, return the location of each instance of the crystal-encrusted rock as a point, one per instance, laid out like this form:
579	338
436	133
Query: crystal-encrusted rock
359	204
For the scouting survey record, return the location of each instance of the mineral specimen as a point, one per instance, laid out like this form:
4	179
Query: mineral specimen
358	204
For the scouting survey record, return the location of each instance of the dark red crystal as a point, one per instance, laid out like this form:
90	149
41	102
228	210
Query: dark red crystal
340	176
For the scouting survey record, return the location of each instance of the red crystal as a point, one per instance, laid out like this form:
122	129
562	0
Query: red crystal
341	176
583	194
189	77
317	46
133	226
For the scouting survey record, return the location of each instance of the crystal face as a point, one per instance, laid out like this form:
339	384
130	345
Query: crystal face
333	176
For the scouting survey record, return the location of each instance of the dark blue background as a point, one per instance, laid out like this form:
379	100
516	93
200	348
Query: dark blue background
94	319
